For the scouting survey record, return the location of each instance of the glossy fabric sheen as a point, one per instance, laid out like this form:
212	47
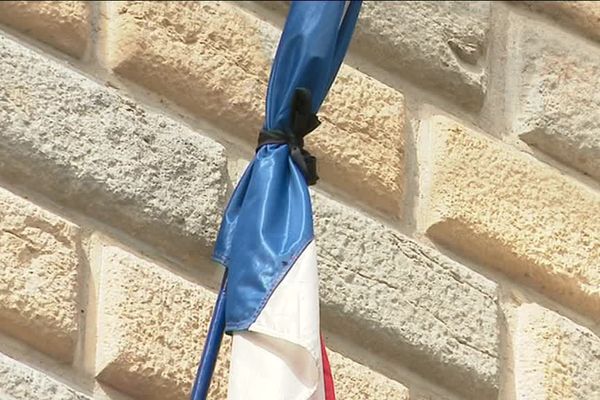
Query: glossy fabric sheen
268	221
266	225
311	49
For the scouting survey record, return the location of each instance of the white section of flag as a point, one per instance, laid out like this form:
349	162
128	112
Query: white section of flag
279	357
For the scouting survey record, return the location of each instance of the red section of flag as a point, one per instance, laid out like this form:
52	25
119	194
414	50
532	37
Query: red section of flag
329	390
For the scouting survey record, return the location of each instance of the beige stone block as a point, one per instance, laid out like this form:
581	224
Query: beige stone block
508	210
383	290
555	359
214	59
61	24
438	45
86	147
151	328
581	15
19	381
427	396
38	276
553	83
353	381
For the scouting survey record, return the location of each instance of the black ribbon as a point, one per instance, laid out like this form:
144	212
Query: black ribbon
303	122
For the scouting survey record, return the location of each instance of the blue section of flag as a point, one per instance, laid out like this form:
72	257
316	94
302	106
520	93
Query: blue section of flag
268	221
311	49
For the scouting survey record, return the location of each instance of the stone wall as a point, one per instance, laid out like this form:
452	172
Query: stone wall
457	219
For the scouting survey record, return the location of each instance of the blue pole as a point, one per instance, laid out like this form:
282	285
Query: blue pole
211	346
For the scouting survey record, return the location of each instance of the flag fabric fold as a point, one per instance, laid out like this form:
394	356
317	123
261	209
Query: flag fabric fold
266	241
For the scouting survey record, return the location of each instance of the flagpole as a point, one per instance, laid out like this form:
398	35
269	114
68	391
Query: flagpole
211	346
310	51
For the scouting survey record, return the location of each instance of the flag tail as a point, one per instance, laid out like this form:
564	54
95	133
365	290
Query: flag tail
280	356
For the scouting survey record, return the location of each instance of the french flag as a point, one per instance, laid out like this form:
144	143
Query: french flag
269	300
281	355
272	301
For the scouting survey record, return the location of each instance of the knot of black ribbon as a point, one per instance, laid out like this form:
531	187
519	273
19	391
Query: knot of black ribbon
303	122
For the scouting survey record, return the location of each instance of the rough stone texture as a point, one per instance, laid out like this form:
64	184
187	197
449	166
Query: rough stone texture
406	302
439	45
508	210
88	148
61	24
555	359
421	396
152	324
581	15
356	382
38	276
555	78
214	59
20	382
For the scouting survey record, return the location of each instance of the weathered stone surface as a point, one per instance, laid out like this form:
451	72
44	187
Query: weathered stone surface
508	210
61	24
439	45
38	276
152	324
406	302
214	59
422	396
360	147
555	79
151	327
20	382
555	359
84	146
356	382
581	15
